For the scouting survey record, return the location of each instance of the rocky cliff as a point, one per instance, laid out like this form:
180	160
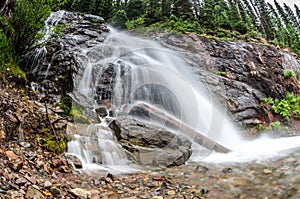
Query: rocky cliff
239	73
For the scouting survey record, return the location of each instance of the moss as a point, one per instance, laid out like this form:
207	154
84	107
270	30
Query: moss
13	69
222	73
66	104
52	145
77	115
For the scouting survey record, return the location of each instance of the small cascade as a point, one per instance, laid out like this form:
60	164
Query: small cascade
289	62
40	50
98	150
122	71
128	70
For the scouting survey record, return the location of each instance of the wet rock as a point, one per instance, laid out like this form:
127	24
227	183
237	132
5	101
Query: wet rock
102	112
74	160
56	70
227	170
150	144
239	73
201	169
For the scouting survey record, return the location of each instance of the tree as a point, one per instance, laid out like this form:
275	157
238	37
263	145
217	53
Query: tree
265	19
134	9
182	9
297	12
282	14
28	18
206	14
292	18
166	7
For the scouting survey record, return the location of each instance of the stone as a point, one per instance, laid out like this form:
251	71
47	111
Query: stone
11	155
55	191
33	193
267	171
201	169
81	193
150	144
21	181
16	195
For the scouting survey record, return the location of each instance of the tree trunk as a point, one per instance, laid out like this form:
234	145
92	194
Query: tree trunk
196	136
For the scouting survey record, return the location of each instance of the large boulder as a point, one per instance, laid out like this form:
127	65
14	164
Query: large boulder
151	145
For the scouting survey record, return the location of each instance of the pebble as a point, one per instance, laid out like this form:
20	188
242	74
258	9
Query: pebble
267	171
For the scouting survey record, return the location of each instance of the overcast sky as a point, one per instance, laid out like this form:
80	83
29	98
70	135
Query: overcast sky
290	3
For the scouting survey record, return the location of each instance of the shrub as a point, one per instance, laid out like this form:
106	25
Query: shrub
27	20
136	23
288	74
287	107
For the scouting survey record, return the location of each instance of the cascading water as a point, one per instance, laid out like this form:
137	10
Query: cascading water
123	71
142	70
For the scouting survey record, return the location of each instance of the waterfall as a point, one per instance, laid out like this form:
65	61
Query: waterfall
142	70
124	70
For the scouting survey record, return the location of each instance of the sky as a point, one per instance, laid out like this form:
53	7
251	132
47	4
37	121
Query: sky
290	3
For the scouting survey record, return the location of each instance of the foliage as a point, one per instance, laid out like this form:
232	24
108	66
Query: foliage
251	19
56	146
272	127
58	29
288	74
19	31
287	107
66	104
27	20
119	19
136	23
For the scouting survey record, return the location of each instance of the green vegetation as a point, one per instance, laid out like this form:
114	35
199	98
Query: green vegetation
222	73
19	31
274	126
288	73
56	146
287	107
253	20
66	105
230	20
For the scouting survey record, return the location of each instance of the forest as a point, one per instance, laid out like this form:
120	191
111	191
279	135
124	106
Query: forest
232	19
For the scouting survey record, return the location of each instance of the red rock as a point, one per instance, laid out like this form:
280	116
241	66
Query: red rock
11	155
31	179
21	181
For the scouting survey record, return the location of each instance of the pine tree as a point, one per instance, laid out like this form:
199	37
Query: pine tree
235	17
134	9
252	18
182	9
196	5
292	18
206	14
297	12
281	13
220	13
265	19
166	6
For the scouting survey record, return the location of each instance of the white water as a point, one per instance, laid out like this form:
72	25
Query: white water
145	71
156	75
98	151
